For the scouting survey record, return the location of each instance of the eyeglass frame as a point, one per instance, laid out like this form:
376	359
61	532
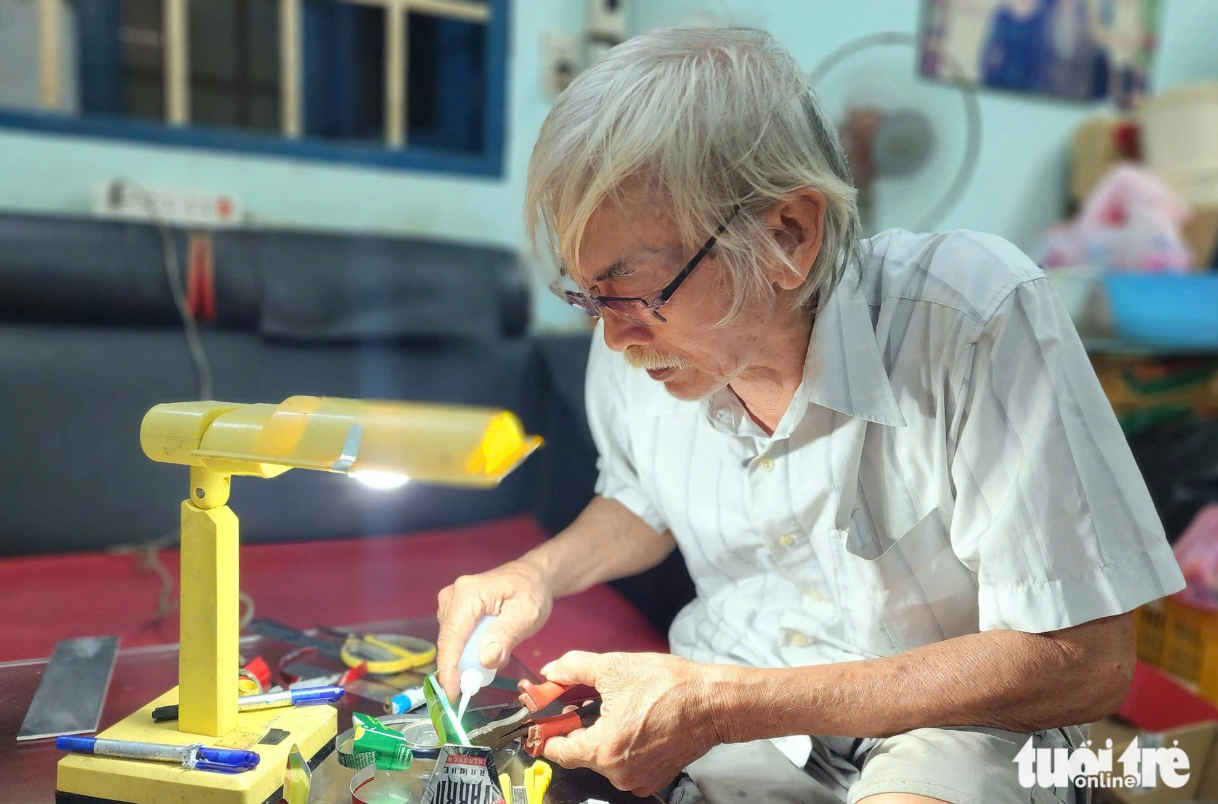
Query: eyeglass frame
595	306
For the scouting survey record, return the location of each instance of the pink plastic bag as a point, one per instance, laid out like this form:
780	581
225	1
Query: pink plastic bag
1130	222
1197	554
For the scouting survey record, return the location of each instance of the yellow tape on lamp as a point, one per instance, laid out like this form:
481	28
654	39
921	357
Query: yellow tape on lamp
386	654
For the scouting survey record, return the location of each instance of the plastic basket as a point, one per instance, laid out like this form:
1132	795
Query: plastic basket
1181	639
1165	309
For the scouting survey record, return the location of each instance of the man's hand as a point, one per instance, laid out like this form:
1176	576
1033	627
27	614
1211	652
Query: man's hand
518	592
655	717
604	542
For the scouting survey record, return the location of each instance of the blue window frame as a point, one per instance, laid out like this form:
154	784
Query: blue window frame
457	89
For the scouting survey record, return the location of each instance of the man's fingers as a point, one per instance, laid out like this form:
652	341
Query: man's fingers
574	667
571	751
443	601
450	681
454	633
502	636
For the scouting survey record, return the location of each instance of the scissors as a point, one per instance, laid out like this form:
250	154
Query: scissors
385	654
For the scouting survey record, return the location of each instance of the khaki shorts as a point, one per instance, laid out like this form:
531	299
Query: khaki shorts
957	765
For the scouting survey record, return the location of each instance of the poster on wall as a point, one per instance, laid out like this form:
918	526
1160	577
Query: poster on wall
1083	50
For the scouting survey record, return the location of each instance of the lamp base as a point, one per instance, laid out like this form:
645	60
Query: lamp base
85	779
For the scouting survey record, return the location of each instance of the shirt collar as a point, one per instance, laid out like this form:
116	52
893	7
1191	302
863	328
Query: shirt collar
844	370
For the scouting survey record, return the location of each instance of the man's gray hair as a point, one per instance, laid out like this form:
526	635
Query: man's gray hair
713	118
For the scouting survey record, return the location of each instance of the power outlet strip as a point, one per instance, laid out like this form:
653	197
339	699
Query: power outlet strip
128	201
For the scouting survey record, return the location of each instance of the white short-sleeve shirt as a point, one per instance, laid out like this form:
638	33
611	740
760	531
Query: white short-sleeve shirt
948	465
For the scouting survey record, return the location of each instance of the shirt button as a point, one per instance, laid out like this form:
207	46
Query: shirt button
799	640
786	540
765	465
815	594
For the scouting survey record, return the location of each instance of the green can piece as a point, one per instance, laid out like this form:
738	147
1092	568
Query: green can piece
388	747
443	718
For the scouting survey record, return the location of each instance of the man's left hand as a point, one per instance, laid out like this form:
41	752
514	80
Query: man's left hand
656	717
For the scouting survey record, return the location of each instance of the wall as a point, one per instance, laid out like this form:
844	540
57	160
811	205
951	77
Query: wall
40	173
1020	180
1016	191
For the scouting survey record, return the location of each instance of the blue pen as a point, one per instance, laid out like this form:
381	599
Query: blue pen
304	696
192	757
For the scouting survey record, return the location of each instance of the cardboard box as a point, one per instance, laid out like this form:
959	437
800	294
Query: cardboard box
1200	234
1199	742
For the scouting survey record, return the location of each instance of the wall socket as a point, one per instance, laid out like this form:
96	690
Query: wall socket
562	60
607	19
127	201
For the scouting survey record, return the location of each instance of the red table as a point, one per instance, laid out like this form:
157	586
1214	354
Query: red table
27	769
47	598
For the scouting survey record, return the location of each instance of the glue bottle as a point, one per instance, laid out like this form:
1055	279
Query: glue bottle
474	676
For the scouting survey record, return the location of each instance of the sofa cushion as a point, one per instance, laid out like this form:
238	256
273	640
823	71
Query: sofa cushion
319	288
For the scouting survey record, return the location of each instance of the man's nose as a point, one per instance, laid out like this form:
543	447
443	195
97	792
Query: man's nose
621	331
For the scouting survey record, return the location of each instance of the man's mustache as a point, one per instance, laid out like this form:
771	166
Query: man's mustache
640	358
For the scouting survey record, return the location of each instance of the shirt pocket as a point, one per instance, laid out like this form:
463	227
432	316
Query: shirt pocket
912	593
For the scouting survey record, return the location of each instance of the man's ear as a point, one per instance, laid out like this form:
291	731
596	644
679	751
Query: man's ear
797	222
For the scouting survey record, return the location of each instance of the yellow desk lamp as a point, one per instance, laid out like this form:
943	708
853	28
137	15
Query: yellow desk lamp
384	444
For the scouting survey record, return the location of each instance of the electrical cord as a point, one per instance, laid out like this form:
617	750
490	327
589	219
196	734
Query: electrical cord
150	551
190	325
968	95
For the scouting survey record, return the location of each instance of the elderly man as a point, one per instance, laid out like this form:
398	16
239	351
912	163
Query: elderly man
914	525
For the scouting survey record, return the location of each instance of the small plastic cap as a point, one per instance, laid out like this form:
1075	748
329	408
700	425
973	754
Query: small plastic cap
471	681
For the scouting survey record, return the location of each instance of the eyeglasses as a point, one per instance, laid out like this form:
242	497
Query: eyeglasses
637	308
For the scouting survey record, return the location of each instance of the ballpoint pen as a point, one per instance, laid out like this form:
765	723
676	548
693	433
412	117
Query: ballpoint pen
192	757
304	696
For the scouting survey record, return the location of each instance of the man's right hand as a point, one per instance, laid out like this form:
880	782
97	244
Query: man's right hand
518	592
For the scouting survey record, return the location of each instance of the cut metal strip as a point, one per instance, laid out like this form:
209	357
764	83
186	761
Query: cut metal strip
350	449
73	688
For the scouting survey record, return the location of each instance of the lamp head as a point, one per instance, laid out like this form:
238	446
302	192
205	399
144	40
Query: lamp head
377	442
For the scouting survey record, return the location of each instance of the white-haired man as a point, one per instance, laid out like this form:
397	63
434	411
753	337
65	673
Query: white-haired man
913	523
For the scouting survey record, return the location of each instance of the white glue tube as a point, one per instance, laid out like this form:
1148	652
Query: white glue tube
474	676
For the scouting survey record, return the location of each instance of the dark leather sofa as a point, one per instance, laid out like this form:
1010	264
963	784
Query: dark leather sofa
90	338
